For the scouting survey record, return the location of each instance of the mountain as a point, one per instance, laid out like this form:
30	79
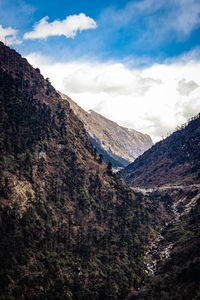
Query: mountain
70	229
117	144
174	160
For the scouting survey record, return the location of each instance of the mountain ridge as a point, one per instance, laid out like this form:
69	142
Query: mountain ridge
118	144
174	160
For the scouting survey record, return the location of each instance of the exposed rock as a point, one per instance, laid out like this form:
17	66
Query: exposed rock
118	144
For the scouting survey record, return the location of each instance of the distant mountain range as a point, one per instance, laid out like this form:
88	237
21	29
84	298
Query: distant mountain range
175	160
117	144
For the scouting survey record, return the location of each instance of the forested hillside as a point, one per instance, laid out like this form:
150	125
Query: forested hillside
69	228
175	160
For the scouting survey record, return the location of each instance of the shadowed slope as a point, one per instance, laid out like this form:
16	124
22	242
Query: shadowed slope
175	160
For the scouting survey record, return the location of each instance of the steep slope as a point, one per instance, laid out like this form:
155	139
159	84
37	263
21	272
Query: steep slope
174	160
117	144
69	228
170	172
178	276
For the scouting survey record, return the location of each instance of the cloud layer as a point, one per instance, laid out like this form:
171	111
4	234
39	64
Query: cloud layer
153	22
68	27
9	35
153	100
186	88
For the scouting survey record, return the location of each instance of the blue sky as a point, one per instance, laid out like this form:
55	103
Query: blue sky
97	51
150	29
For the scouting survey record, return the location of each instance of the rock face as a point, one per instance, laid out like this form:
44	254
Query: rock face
70	229
117	144
174	160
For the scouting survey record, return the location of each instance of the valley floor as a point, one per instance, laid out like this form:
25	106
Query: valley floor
175	248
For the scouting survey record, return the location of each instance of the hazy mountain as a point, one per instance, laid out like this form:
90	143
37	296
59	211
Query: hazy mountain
175	160
117	144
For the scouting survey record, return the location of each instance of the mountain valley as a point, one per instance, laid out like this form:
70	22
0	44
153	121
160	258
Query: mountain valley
173	259
72	229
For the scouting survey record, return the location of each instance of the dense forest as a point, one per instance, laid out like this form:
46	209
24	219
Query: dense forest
70	229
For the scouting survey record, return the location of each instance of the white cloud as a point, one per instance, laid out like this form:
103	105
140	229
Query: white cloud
190	108
187	16
146	100
191	56
8	35
154	21
185	88
68	27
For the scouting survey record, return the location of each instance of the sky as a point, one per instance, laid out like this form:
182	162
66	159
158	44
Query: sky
135	62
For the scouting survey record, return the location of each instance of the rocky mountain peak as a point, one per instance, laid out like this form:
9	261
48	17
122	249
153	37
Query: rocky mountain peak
117	144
